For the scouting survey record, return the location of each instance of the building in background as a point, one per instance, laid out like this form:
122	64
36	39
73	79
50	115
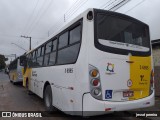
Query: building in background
156	62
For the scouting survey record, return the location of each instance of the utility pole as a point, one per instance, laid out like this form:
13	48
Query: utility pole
29	41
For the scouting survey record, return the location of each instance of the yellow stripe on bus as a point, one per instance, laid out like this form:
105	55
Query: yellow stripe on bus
13	75
26	75
140	71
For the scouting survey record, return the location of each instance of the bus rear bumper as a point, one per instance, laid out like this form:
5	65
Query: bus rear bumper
92	106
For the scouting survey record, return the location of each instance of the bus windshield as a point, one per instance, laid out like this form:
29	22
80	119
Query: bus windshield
121	33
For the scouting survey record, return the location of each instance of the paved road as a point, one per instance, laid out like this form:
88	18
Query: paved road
15	98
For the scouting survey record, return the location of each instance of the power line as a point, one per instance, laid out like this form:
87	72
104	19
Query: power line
71	6
19	46
11	36
62	19
115	3
38	13
109	4
58	24
67	12
31	16
59	20
118	5
75	10
5	35
48	6
72	10
77	3
135	6
103	6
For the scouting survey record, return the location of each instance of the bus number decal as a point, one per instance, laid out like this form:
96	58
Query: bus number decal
144	67
34	73
68	70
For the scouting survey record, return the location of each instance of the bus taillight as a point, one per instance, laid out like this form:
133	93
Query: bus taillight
94	73
95	84
96	92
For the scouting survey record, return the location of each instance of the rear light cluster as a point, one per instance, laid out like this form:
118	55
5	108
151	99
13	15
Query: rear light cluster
95	84
152	82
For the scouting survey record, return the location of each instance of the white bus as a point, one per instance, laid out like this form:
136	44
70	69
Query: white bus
15	71
98	63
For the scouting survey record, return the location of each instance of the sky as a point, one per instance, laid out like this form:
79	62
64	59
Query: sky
41	18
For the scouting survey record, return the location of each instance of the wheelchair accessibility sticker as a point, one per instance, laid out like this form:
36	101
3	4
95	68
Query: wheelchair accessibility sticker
108	94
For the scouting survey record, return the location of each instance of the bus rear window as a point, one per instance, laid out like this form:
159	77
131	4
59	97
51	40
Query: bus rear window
119	32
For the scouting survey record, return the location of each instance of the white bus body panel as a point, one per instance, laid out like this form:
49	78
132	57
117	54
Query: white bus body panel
98	107
19	71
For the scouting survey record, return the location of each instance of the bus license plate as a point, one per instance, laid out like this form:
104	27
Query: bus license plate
128	93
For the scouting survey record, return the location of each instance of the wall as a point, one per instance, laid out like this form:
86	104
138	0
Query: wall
156	60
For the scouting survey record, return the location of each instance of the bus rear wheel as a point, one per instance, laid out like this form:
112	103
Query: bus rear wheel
48	99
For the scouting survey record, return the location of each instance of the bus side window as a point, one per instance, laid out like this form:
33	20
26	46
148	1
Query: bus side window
40	61
69	54
34	59
46	59
54	45
42	51
75	35
39	52
52	56
63	40
40	58
48	47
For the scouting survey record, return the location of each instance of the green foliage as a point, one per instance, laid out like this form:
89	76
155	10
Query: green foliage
2	62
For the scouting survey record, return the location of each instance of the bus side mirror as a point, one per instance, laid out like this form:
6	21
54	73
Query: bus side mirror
22	60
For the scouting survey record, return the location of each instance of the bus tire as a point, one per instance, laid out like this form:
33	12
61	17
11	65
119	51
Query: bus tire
48	99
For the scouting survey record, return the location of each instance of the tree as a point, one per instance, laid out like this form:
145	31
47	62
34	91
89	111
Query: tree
2	62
